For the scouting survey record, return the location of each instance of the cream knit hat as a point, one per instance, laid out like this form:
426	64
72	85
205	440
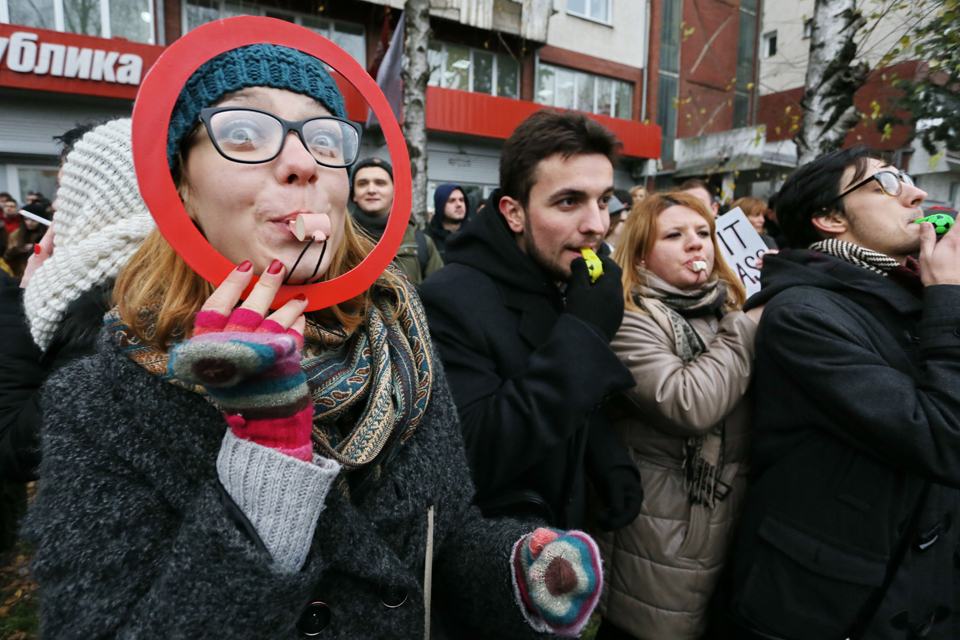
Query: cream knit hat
100	222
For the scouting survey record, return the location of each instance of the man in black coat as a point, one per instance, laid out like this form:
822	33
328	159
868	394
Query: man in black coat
524	334
851	527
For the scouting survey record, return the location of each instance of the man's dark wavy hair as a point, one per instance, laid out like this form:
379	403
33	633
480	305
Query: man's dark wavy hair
808	191
545	133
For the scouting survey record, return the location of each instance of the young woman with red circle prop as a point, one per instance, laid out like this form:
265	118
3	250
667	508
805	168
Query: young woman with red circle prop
221	470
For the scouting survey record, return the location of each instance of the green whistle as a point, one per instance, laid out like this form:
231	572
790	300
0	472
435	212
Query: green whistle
941	222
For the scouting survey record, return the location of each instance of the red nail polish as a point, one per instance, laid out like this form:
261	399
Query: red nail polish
37	249
275	267
244	266
301	297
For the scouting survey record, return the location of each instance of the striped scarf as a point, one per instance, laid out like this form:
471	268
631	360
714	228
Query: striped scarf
370	388
855	254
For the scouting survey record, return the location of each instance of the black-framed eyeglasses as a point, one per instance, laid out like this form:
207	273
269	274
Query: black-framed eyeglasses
891	183
252	136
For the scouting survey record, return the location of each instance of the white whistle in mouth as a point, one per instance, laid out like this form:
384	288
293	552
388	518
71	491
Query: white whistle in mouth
311	225
699	265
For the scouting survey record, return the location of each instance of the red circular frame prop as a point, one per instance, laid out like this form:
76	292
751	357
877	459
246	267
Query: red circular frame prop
155	101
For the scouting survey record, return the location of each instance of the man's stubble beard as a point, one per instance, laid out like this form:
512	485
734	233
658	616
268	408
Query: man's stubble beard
552	271
857	229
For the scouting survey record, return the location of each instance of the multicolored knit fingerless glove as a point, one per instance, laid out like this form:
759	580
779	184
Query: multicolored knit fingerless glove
558	579
251	369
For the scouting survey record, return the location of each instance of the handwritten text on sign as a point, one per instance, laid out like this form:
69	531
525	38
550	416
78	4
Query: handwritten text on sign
741	245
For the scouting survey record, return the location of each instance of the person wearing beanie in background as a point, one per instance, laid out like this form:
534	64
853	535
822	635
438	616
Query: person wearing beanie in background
372	192
449	214
619	207
21	242
55	316
218	470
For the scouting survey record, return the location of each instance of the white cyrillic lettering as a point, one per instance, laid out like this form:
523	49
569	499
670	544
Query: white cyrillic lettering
51	59
3	46
131	66
78	63
23	52
103	62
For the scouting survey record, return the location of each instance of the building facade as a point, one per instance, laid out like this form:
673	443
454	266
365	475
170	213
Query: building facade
725	81
784	51
702	82
493	62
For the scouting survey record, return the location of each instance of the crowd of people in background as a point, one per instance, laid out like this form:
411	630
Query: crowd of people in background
641	454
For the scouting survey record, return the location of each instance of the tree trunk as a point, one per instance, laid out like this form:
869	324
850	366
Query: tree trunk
415	74
832	79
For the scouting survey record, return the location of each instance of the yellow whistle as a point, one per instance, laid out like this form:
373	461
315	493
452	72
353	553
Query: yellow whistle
594	266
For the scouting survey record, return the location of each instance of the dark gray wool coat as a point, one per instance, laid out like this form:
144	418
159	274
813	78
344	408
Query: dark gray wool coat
134	542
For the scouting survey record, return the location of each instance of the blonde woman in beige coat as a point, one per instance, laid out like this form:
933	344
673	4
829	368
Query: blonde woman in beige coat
686	423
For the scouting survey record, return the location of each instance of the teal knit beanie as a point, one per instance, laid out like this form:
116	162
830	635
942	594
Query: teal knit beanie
256	65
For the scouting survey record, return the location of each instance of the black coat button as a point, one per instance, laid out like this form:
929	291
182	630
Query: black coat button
392	597
314	619
956	332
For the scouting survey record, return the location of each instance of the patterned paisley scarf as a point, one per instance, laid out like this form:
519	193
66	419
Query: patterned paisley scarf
670	307
370	388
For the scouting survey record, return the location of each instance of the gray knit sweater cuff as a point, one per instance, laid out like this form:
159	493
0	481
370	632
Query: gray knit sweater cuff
280	495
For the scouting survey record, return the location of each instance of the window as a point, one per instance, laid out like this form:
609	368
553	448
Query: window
741	110
42	179
770	44
348	36
129	19
746	43
598	10
668	87
453	66
569	89
668	78
807	29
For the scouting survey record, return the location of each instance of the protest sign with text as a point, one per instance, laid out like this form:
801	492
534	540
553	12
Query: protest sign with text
741	246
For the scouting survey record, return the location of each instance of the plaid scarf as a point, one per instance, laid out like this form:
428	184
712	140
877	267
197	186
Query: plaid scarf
669	307
370	388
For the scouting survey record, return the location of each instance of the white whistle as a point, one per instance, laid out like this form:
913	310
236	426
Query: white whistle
699	265
311	225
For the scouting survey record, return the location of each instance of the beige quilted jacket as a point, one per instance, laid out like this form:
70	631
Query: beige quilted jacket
661	570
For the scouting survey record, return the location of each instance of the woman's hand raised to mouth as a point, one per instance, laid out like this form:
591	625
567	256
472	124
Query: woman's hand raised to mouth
250	365
260	300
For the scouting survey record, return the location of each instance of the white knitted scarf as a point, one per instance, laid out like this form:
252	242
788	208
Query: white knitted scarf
100	222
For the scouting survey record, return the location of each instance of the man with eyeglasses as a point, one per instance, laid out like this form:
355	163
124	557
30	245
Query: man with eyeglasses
850	529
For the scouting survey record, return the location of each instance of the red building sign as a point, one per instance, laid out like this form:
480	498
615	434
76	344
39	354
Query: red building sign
70	63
